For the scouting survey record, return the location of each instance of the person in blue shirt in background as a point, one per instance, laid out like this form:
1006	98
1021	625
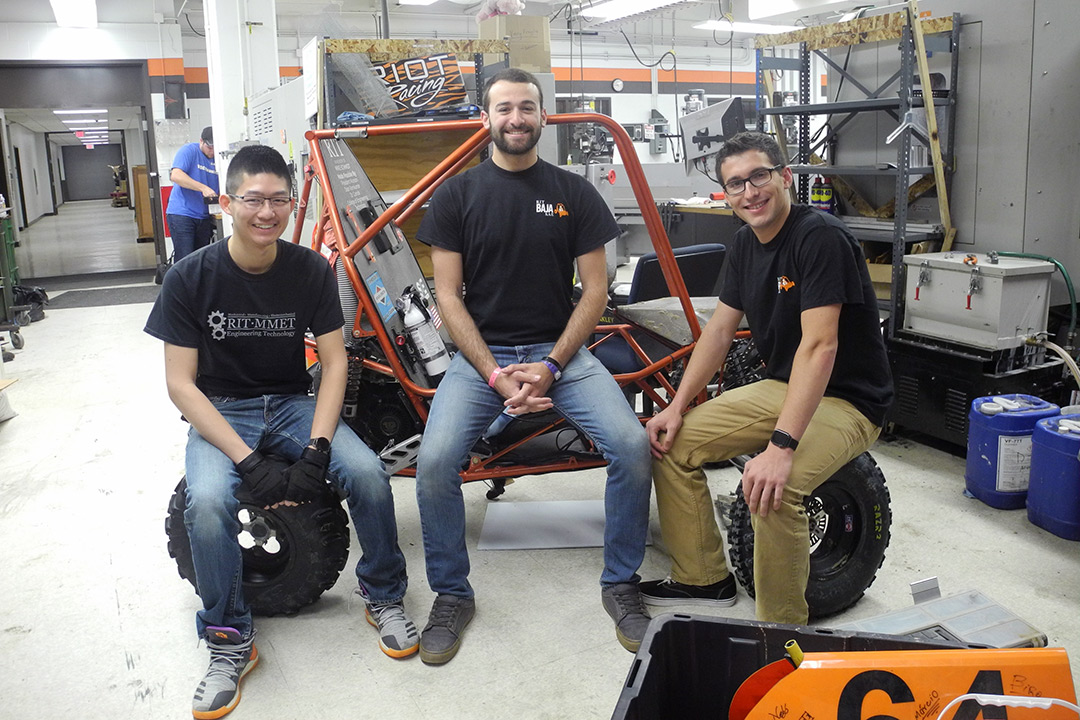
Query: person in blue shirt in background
194	177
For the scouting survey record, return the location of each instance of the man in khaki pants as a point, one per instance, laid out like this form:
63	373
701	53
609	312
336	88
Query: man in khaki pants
800	279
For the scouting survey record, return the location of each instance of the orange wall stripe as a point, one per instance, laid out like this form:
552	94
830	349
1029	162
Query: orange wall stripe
159	67
202	75
601	74
642	75
709	76
196	75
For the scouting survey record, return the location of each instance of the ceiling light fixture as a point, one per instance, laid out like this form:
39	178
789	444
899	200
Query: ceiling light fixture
416	2
745	27
75	13
618	9
79	112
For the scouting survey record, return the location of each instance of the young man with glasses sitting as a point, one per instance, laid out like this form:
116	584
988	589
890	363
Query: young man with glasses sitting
800	278
233	317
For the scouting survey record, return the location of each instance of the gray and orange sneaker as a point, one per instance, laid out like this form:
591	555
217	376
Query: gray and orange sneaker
231	658
398	636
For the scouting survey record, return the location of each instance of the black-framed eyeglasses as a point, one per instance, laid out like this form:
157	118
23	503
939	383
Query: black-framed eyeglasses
758	178
254	202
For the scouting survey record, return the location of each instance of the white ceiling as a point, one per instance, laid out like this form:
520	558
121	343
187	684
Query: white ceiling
308	16
45	121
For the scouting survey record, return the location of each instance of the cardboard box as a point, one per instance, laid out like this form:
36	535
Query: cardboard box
881	276
529	38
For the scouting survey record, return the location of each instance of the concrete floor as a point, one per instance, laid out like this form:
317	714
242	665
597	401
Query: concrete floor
87	236
96	623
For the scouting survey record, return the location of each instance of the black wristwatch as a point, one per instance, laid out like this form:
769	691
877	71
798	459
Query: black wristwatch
782	440
321	444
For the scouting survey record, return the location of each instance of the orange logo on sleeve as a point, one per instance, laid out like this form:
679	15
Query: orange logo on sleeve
783	284
560	210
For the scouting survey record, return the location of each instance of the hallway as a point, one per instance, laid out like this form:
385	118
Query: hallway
87	236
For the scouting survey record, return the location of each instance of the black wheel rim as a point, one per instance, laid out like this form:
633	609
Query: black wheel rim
266	545
835	526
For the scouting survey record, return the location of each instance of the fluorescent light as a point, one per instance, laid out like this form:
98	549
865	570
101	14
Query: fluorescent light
79	112
76	121
416	2
615	9
746	27
75	13
91	129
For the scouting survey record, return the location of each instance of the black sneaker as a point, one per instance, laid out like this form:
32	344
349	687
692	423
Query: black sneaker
442	636
669	592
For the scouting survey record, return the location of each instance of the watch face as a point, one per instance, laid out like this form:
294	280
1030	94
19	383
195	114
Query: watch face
617	85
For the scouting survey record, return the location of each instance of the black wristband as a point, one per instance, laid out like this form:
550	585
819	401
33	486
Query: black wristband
553	361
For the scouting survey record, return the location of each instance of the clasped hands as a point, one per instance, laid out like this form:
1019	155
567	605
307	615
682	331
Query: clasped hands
267	481
524	385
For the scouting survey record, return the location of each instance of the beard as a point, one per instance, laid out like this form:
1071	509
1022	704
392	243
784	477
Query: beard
525	143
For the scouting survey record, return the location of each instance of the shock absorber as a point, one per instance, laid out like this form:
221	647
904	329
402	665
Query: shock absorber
352	387
350	304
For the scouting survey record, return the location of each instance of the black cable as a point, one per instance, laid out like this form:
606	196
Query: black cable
188	18
642	62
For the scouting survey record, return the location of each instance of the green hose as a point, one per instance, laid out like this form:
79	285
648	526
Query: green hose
1064	274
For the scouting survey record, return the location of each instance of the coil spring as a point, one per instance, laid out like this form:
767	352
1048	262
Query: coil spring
743	366
352	387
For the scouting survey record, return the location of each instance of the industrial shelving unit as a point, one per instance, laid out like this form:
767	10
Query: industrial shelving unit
940	35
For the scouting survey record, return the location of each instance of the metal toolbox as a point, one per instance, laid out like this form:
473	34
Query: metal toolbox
976	299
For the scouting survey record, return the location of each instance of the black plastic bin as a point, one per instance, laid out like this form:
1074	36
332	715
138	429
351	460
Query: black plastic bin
689	666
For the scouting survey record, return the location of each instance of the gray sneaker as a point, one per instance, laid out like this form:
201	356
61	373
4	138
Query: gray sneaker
623	603
398	636
231	658
441	638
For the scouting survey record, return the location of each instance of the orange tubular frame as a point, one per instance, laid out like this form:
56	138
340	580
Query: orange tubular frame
417	195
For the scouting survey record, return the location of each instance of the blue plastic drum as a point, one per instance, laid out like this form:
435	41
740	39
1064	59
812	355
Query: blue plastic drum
1054	494
999	447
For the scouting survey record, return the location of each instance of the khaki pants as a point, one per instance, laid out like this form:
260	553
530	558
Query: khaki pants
741	421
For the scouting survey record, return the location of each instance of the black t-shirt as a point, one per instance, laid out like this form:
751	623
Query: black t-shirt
248	329
518	234
812	262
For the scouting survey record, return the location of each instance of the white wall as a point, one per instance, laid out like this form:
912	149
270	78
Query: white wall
37	195
109	41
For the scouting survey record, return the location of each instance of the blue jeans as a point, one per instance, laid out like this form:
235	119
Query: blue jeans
281	424
463	408
189	234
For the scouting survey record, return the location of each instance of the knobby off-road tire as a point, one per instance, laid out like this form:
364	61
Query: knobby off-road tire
292	554
850	519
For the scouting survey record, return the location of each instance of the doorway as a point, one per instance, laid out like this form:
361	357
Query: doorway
63	85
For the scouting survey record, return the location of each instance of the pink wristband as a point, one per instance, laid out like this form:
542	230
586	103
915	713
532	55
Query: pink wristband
494	376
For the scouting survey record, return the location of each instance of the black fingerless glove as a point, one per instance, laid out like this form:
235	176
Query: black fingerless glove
264	480
307	476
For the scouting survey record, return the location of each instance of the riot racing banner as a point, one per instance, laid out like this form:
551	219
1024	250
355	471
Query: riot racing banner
424	83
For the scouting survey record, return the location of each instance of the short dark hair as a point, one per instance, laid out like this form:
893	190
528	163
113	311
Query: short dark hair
207	135
514	75
253	160
745	142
